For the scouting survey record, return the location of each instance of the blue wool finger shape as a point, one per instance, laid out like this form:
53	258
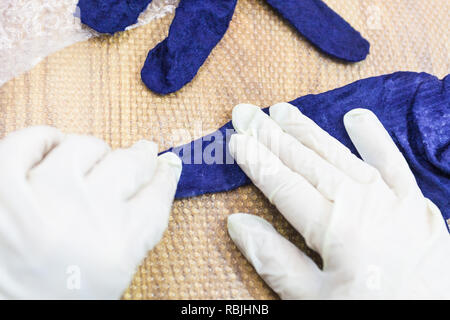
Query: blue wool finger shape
324	28
200	24
111	16
413	107
196	29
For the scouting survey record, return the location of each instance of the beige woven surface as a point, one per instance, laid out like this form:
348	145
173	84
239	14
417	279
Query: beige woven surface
94	88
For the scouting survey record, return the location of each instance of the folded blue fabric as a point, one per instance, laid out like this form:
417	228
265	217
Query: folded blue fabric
413	107
200	24
111	16
196	29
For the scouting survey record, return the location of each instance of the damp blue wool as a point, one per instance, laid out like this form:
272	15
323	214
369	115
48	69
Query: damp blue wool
199	25
111	16
413	107
324	28
196	29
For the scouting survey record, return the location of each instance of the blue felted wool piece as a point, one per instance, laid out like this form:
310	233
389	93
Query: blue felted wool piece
200	24
413	107
324	28
111	16
196	29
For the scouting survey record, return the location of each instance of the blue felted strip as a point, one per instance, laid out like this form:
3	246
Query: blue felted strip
324	28
196	29
110	16
413	107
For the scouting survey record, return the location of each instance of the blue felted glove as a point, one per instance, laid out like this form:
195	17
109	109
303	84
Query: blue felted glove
200	24
413	107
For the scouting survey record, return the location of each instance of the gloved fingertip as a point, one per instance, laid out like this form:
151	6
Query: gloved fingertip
282	111
358	116
233	224
243	114
241	225
174	162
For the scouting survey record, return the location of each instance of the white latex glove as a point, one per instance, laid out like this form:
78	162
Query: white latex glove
76	218
376	233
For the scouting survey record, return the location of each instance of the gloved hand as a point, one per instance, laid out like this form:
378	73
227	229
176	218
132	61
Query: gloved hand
76	218
376	233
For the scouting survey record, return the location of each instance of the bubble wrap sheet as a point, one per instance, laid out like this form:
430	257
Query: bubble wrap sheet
94	87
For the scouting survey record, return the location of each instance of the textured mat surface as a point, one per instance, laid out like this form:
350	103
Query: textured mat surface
95	88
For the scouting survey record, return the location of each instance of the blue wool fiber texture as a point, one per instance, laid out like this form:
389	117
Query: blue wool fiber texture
413	107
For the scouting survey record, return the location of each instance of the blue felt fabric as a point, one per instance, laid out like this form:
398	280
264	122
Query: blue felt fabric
111	16
200	24
196	29
413	107
324	28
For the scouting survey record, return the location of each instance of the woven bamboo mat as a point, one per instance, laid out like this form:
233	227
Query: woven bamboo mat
94	88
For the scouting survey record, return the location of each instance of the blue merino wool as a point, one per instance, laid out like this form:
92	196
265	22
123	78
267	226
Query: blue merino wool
200	24
111	16
413	107
324	28
196	29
